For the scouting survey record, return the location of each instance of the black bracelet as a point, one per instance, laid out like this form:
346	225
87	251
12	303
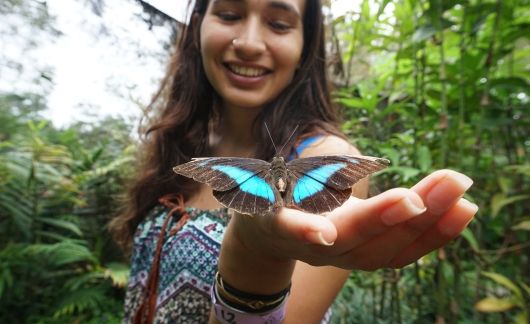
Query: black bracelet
244	295
247	302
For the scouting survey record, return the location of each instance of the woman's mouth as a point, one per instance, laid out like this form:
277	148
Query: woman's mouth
246	71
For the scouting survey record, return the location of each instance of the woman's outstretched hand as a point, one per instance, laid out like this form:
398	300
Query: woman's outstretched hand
392	229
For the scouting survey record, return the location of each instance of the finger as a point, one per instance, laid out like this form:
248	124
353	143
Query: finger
380	250
453	222
439	191
301	226
360	220
442	188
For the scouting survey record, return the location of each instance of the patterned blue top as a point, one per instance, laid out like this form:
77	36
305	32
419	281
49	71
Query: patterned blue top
186	265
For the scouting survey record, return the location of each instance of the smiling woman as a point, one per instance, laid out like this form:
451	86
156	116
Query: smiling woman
240	65
250	51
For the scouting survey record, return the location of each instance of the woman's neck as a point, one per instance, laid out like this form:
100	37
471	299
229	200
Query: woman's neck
235	136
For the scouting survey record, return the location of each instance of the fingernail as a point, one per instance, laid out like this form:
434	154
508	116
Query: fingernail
465	181
438	200
318	238
452	228
401	211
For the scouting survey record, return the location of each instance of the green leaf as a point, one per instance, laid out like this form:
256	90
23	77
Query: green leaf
503	281
19	215
470	238
84	280
424	159
6	279
382	7
510	83
505	183
522	317
352	102
118	273
526	288
80	300
500	200
423	33
518	31
493	304
523	169
524	226
51	235
61	224
62	253
406	173
391	154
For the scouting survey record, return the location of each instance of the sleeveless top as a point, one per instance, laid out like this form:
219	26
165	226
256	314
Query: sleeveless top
174	261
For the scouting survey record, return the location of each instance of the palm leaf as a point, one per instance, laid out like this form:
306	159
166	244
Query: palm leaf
61	224
81	300
62	253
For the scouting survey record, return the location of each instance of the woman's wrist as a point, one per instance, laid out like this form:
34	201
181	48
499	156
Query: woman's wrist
249	265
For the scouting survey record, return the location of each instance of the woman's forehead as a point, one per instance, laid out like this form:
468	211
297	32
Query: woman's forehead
297	6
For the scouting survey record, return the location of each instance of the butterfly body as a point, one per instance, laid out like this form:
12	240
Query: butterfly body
279	173
251	186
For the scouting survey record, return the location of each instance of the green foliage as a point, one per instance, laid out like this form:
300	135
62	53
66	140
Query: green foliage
445	84
58	190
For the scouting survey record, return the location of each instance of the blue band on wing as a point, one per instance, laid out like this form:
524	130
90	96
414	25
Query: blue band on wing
313	181
248	181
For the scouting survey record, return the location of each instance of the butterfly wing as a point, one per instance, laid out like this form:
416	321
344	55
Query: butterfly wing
322	183
253	196
221	173
238	183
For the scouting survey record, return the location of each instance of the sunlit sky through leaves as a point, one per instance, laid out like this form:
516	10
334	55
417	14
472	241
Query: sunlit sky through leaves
98	65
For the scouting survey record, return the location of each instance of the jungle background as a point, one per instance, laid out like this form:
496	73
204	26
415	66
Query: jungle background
428	84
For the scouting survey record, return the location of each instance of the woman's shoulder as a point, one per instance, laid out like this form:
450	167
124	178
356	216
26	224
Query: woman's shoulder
327	144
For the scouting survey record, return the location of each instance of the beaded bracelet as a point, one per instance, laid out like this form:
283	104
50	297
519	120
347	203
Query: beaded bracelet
247	302
227	314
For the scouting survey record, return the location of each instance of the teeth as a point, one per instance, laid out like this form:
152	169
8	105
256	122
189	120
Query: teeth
246	71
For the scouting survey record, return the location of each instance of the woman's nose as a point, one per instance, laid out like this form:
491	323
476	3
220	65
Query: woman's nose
251	42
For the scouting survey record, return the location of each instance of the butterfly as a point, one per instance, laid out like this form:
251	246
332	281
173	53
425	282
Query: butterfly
252	186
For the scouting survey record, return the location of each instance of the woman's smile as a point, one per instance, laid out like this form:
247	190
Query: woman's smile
251	49
246	71
245	76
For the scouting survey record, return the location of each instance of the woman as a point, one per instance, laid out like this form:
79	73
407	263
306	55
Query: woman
241	64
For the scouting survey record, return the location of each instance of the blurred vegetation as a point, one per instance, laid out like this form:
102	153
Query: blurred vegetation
429	84
58	190
444	84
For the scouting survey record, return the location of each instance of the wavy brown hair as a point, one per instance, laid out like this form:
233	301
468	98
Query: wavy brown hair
187	107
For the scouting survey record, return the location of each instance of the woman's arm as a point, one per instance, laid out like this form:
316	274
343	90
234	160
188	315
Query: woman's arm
315	288
391	229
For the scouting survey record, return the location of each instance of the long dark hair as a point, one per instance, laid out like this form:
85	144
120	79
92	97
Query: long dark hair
186	106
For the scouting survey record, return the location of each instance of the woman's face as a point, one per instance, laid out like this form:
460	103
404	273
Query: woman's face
251	48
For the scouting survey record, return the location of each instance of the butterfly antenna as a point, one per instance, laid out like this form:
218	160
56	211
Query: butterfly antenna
268	132
289	137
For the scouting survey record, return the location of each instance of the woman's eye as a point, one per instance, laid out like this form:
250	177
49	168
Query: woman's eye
280	26
228	16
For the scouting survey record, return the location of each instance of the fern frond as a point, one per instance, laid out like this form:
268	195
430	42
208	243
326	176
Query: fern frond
61	223
82	300
62	253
